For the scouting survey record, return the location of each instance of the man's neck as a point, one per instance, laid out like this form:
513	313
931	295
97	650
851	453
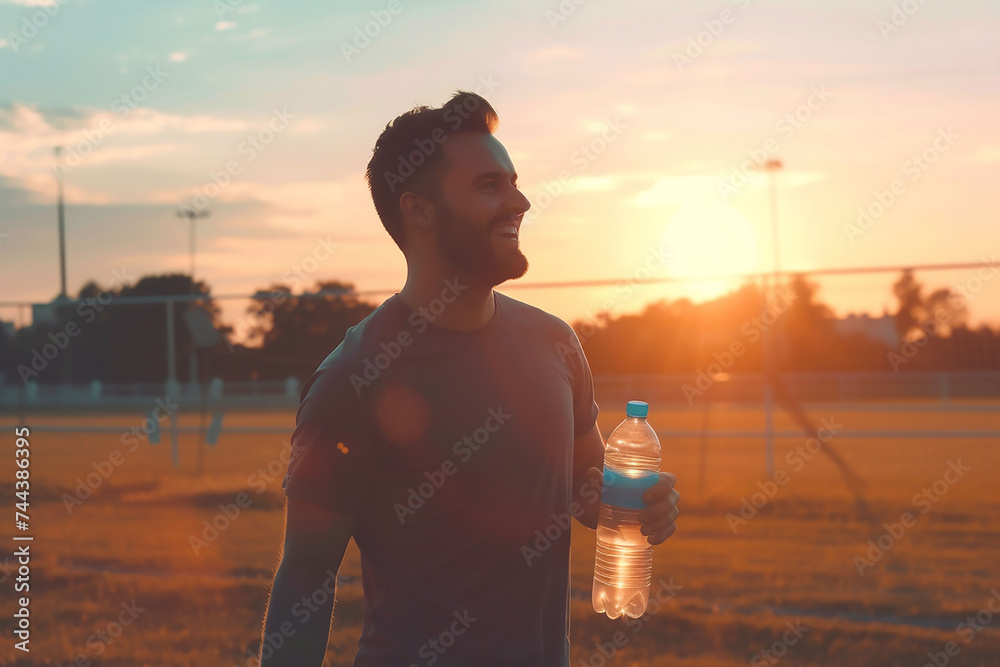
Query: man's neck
453	301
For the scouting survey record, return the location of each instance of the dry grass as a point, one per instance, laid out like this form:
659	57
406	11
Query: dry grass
793	561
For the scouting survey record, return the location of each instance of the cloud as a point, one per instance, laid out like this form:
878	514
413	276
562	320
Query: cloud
12	196
682	190
107	147
672	191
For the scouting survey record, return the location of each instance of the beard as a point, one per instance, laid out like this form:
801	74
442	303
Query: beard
472	249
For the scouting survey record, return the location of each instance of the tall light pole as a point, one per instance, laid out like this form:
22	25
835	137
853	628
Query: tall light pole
191	215
772	166
770	369
61	213
62	226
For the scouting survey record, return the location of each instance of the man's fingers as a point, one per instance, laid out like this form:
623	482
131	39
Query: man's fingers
663	488
662	536
660	524
658	511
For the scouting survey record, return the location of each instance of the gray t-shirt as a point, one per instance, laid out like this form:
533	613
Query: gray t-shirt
456	452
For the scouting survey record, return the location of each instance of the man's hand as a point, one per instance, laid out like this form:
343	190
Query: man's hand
661	499
661	509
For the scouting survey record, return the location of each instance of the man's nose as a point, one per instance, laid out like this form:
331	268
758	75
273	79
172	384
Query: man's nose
520	203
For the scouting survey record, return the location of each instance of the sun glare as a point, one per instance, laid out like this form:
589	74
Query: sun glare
709	239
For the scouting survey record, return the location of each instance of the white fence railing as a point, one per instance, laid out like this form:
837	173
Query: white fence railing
805	387
672	391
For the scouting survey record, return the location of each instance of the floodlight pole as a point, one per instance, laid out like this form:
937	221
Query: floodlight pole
61	214
191	215
62	226
770	369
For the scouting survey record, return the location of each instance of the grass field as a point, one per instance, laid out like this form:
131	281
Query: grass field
793	562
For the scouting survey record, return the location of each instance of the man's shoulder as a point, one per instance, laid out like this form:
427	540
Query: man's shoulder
534	318
546	330
334	373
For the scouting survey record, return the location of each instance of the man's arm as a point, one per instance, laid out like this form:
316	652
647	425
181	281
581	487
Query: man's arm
315	541
588	465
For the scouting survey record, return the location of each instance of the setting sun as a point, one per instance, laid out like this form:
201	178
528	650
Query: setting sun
708	239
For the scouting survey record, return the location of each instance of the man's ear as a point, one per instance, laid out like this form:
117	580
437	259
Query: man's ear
417	210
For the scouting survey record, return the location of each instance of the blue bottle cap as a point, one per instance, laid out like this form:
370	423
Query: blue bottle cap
636	409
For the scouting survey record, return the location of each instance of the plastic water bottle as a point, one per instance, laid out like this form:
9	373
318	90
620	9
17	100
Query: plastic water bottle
623	569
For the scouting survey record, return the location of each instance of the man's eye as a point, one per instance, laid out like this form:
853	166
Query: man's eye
489	184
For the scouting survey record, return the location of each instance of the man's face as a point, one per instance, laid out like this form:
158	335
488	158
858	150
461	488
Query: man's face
480	209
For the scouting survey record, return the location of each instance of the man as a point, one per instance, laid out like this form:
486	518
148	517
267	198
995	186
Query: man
447	434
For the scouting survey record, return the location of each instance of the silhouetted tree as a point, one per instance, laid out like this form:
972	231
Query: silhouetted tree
303	331
137	335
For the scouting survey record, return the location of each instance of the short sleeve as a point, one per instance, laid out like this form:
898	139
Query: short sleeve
585	409
328	464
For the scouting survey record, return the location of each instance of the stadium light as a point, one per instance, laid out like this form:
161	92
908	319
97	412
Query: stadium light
191	215
62	227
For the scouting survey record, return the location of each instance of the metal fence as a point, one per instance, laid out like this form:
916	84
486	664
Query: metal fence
667	391
664	391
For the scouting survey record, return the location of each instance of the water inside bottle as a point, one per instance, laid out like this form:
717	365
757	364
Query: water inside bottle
623	567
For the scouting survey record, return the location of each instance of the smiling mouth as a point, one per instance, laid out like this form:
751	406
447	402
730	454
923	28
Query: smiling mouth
507	231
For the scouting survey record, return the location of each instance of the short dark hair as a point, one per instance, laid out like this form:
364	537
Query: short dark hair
407	158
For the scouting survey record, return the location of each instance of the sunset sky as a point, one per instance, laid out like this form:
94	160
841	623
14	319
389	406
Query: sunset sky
674	100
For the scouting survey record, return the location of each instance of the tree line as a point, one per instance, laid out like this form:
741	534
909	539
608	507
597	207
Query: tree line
282	334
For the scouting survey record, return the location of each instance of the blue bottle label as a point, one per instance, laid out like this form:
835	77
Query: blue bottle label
622	491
